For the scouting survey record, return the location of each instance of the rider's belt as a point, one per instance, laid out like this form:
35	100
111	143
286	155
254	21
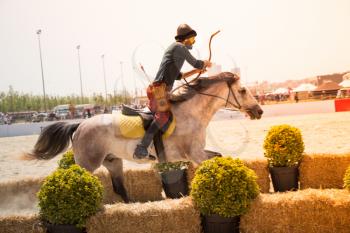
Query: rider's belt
160	94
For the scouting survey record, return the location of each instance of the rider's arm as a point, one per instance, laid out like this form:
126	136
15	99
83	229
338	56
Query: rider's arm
200	65
183	52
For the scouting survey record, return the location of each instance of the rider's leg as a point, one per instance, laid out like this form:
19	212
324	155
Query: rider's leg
141	148
161	117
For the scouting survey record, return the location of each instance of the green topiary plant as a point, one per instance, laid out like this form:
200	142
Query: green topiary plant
224	186
67	160
347	179
284	146
69	196
171	166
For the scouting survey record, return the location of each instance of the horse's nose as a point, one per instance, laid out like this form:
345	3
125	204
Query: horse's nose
260	111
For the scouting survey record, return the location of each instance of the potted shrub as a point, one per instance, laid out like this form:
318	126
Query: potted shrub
222	189
284	148
174	178
67	159
67	198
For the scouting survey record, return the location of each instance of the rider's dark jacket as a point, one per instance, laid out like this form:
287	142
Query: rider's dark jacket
172	62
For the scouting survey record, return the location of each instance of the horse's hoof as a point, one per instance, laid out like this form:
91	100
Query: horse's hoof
152	157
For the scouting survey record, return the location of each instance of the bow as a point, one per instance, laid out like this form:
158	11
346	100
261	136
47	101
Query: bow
199	74
211	38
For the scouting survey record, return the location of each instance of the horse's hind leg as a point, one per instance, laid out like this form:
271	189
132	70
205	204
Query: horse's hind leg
115	167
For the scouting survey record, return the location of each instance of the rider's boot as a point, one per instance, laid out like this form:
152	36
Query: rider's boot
141	151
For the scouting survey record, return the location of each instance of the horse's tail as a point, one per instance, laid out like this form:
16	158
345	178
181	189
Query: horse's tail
53	140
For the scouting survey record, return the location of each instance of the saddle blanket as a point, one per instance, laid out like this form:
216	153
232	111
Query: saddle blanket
132	126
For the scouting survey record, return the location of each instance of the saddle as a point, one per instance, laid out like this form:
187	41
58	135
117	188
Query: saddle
131	121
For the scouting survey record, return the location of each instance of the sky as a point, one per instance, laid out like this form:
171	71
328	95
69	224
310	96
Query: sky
272	40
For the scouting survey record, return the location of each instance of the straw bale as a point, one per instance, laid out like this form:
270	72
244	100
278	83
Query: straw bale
19	196
261	169
143	185
27	185
323	170
22	193
167	216
309	210
109	196
20	224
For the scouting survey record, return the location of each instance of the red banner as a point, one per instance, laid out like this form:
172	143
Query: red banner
342	105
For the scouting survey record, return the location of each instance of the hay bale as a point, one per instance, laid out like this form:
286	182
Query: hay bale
323	170
20	224
22	193
167	216
309	210
19	196
109	196
143	185
28	185
261	169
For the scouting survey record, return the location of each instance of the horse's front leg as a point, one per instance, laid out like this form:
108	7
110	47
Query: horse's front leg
196	152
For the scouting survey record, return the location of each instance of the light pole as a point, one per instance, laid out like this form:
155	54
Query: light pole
122	77
104	74
38	32
81	83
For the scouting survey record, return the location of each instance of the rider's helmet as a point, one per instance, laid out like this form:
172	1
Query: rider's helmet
184	32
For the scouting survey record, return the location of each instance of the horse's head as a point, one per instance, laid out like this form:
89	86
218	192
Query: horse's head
239	97
224	86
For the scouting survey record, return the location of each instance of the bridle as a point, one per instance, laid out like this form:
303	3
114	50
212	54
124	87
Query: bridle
227	100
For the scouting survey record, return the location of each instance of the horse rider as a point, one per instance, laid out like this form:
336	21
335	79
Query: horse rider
169	71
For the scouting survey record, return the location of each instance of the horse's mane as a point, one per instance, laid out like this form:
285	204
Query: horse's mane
201	84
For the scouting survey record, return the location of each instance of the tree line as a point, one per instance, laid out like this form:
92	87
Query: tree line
14	101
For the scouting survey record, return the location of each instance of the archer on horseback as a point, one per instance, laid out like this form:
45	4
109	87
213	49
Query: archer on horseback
169	71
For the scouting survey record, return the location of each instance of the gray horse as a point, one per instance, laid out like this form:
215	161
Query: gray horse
98	141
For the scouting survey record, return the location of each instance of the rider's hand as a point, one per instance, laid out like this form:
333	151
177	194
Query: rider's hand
207	64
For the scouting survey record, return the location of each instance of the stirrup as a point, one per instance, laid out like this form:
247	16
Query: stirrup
141	152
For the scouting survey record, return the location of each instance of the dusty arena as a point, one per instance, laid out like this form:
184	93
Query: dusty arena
327	155
237	137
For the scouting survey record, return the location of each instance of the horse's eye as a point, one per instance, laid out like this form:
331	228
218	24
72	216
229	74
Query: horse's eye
242	90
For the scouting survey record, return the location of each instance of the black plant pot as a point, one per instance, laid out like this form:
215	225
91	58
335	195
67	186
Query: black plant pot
52	228
175	183
284	178
217	224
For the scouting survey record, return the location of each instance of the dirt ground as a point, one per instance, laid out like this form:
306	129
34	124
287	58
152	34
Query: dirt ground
243	138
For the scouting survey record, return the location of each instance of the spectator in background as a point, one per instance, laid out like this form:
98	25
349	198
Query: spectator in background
277	97
339	94
71	111
262	99
296	97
